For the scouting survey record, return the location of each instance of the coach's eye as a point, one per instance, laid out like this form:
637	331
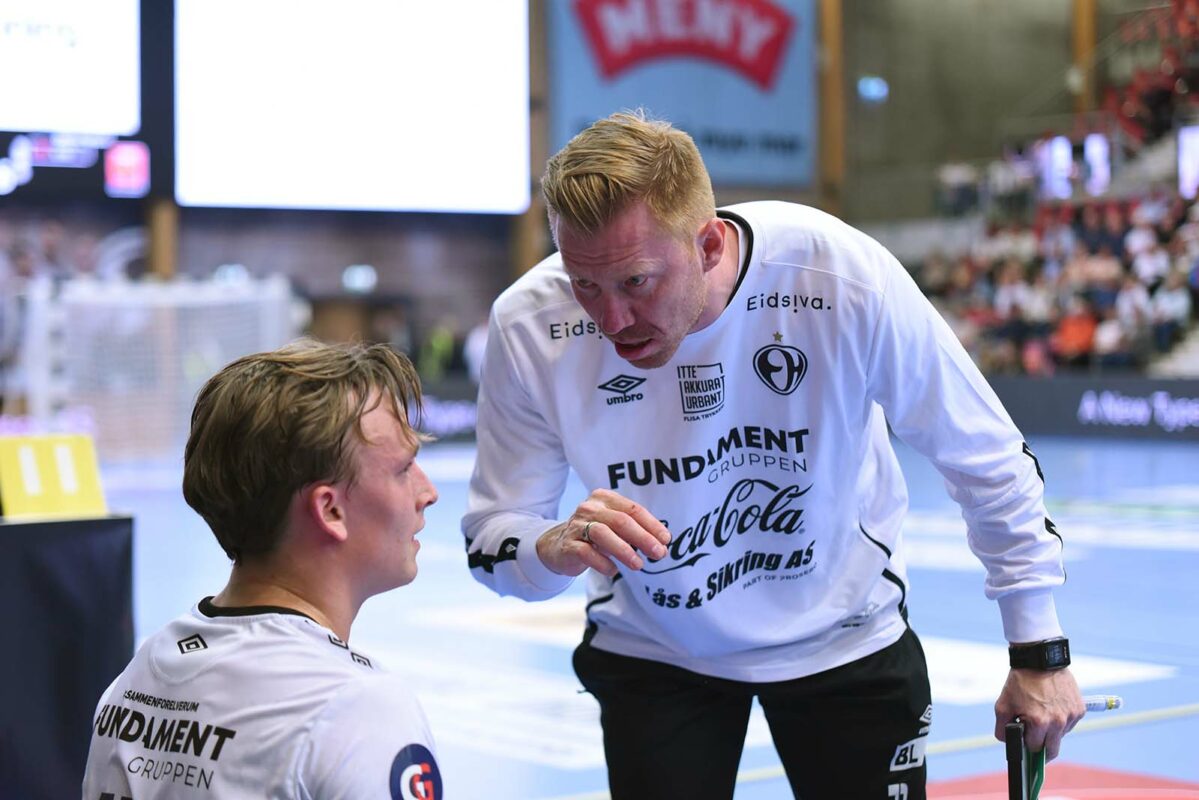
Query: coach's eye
636	280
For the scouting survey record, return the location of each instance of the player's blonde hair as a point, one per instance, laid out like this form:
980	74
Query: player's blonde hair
269	424
624	158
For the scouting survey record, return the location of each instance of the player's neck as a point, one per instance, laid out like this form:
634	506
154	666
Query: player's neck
260	585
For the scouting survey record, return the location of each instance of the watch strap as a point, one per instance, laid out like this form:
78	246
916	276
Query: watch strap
1049	654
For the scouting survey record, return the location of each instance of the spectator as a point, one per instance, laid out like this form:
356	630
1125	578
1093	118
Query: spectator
1154	206
1072	342
1152	265
1011	293
1058	239
934	274
1141	237
1040	309
474	348
1171	311
1134	309
1101	275
1090	232
1114	231
1112	346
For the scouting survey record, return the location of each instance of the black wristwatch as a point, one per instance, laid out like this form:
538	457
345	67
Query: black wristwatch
1047	655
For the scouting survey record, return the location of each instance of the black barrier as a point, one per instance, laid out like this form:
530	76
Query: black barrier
67	608
1111	407
450	409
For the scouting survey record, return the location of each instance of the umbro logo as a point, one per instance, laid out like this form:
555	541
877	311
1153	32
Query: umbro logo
622	387
357	657
192	644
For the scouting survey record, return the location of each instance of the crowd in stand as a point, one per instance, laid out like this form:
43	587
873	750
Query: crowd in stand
1107	285
1147	106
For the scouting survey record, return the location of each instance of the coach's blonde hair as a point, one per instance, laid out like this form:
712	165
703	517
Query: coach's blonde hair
269	424
624	158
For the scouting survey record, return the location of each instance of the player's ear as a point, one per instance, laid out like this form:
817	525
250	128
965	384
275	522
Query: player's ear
324	504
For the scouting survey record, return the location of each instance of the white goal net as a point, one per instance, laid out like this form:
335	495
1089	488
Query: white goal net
132	356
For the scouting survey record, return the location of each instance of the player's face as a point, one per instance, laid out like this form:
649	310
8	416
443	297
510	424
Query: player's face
643	285
385	506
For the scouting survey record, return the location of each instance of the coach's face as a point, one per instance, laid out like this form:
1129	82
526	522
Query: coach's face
645	286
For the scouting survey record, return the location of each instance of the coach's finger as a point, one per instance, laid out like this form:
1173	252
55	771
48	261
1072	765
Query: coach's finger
605	539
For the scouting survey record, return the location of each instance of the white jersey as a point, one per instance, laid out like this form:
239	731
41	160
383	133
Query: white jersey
257	703
763	446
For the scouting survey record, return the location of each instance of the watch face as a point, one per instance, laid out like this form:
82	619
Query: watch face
1056	653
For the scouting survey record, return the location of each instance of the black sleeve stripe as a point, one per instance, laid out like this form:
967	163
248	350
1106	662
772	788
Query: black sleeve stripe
605	598
1028	452
875	542
487	561
903	592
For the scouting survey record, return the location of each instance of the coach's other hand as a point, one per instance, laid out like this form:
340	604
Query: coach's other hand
606	527
1049	703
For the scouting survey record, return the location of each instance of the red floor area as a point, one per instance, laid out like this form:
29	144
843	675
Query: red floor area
1069	782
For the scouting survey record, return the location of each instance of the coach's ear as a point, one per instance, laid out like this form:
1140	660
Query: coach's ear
712	238
324	505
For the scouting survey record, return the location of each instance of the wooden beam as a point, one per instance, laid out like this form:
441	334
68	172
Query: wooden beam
162	224
831	66
1083	39
528	234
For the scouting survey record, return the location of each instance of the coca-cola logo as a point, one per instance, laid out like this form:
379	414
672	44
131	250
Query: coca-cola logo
752	504
748	36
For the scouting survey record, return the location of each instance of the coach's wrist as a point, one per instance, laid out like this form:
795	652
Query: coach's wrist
536	572
1046	656
1029	616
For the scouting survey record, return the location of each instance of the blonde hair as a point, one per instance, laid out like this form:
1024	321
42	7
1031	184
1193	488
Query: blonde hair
622	159
271	423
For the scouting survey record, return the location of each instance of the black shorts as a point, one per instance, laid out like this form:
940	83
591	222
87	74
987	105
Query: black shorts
854	732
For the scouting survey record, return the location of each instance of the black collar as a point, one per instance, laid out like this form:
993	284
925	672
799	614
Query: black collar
748	233
209	610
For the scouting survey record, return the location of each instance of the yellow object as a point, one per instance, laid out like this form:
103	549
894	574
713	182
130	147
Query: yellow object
50	475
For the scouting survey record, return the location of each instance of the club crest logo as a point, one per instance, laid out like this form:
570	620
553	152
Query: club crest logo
781	367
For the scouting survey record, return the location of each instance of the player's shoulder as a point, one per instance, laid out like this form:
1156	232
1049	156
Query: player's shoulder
372	734
378	695
795	235
268	648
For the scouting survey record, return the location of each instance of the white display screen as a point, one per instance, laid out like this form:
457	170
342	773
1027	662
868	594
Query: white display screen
68	66
1188	161
405	105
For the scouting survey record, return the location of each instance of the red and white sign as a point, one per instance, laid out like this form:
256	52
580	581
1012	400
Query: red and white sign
127	169
748	36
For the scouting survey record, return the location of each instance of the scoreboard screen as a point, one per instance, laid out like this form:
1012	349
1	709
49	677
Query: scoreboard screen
388	105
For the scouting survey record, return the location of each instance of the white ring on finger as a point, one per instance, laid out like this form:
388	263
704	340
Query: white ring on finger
586	537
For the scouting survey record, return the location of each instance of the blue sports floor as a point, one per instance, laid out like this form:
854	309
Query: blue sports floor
494	676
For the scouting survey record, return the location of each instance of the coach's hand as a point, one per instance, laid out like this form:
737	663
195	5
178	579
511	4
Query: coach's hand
1047	701
606	527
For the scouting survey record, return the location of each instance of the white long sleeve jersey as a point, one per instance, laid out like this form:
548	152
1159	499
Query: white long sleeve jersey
257	703
763	446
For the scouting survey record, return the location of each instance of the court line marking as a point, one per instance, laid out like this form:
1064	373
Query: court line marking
964	744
